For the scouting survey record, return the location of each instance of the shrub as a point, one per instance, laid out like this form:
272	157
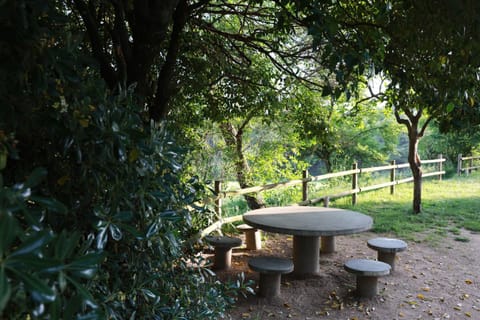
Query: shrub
103	229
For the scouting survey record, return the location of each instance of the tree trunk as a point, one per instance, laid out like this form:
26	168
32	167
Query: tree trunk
234	139
415	133
415	166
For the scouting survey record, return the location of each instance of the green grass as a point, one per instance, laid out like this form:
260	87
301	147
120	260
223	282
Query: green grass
447	207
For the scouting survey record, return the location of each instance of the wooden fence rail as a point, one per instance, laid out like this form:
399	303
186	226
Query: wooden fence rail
467	164
353	192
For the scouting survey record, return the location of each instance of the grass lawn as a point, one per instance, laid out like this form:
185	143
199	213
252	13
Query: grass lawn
447	206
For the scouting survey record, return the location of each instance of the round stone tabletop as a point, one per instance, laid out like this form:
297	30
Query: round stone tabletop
308	221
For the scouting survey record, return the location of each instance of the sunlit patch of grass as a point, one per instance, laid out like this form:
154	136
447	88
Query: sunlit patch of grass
462	239
472	225
454	230
452	203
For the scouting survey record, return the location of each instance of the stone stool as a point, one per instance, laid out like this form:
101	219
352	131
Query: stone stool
223	250
387	249
367	273
271	270
252	236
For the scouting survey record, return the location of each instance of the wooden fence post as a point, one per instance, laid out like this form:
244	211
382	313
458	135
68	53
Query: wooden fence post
470	164
354	184
440	167
218	200
459	164
326	201
304	185
393	174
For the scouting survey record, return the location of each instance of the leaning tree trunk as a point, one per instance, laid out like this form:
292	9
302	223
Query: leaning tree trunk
415	133
234	139
415	166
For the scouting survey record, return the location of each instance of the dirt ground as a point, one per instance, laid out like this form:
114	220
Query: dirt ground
439	280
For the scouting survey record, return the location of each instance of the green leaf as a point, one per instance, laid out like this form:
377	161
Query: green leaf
102	238
62	281
66	243
5	290
35	177
39	290
8	230
450	107
153	229
50	204
33	243
54	309
124	216
115	232
86	266
83	292
33	262
137	234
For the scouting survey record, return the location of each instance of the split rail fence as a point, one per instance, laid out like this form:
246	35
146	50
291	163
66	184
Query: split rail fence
356	188
467	164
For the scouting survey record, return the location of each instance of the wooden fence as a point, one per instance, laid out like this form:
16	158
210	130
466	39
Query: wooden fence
354	174
467	164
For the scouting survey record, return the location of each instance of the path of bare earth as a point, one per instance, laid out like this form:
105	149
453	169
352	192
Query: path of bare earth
438	280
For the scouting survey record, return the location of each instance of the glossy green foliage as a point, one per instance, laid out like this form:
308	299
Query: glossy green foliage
42	273
105	233
336	132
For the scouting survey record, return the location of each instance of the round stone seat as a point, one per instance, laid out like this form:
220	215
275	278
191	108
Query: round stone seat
367	272
387	249
271	270
252	236
223	250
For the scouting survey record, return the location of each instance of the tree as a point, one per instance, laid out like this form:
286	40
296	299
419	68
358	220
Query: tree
339	132
151	44
428	50
432	68
450	144
241	96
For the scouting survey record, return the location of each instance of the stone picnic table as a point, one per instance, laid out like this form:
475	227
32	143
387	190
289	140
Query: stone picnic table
307	224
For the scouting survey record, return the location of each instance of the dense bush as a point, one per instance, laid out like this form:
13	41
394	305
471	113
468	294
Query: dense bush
126	209
96	211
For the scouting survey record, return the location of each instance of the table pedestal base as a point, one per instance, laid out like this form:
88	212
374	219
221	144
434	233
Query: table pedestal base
328	244
306	254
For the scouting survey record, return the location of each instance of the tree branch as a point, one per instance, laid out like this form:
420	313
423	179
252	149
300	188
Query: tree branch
107	71
159	109
401	120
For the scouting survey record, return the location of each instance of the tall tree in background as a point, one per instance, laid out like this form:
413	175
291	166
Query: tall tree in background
428	50
338	132
432	68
